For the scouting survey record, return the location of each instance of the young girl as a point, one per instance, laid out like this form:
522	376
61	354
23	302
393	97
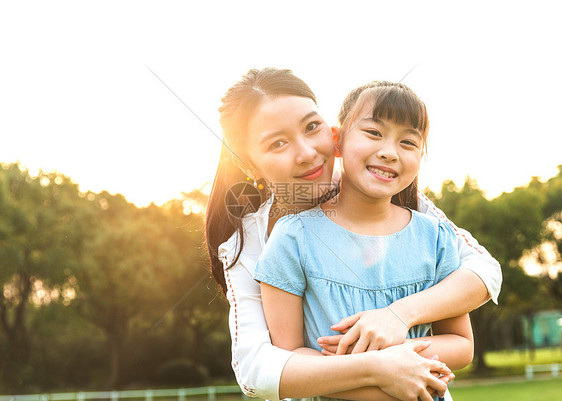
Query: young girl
274	134
361	251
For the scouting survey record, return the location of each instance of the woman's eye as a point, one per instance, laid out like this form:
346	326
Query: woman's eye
312	126
276	144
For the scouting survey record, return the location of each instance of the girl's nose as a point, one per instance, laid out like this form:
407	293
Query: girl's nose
388	152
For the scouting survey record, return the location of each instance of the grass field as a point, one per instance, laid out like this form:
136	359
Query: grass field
512	363
536	390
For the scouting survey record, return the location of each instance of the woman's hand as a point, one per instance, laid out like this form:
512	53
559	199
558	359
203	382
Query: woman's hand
371	330
411	376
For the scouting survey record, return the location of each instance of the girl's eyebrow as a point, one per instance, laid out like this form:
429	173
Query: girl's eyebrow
414	132
381	122
266	137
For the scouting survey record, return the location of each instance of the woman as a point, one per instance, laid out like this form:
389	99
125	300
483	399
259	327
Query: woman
287	146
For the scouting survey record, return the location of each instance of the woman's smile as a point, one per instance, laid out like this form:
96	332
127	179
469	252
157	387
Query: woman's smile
313	173
291	144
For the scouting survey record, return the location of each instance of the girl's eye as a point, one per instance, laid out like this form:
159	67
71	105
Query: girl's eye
373	132
276	145
410	143
312	126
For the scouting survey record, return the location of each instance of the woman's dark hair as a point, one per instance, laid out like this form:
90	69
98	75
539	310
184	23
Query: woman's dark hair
391	101
239	105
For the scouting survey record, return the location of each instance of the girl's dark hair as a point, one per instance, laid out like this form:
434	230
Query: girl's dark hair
239	105
391	101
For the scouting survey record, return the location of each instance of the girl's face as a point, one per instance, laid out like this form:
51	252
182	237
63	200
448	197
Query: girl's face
291	147
380	157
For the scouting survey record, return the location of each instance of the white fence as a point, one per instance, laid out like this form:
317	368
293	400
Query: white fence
179	394
554	368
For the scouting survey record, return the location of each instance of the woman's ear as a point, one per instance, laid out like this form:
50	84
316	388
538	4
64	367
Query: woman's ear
246	168
336	138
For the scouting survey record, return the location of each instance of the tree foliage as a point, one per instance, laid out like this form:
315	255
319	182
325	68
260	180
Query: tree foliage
99	293
508	226
88	278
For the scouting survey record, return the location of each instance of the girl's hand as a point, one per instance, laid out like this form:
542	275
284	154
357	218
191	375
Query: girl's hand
365	331
411	376
444	378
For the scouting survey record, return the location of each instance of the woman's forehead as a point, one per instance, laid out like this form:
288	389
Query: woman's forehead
279	112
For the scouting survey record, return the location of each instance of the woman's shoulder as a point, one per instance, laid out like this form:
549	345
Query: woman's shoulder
254	229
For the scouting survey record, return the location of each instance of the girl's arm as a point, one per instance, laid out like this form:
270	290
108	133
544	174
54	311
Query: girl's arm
399	371
261	368
477	280
452	340
268	372
454	296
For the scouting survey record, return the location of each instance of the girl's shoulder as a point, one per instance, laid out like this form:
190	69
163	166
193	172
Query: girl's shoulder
423	218
297	219
295	226
431	223
289	223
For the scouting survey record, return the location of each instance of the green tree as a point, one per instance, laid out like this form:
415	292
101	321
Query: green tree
197	321
142	278
506	226
118	276
41	234
549	253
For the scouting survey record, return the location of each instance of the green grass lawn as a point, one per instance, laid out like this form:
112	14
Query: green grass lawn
535	390
512	363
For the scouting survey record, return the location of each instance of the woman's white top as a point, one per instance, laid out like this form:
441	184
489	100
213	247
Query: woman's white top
258	364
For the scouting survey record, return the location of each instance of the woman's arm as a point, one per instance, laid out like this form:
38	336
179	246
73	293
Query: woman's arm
474	257
456	295
256	363
261	368
268	372
380	328
478	278
317	374
399	371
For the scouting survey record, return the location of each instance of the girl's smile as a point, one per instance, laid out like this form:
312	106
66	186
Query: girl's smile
383	173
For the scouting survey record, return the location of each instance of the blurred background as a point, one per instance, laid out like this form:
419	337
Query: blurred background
110	139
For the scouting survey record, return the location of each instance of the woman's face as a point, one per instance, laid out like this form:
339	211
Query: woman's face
291	147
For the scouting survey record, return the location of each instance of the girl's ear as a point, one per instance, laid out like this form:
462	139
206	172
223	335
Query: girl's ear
336	138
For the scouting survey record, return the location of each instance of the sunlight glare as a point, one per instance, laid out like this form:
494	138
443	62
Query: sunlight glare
45	181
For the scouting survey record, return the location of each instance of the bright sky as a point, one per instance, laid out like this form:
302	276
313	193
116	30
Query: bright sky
77	93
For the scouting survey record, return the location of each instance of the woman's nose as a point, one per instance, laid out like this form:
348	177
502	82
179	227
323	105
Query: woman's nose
306	153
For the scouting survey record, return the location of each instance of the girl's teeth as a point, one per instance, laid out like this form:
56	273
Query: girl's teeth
381	172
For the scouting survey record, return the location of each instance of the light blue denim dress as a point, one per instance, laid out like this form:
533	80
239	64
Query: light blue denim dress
339	273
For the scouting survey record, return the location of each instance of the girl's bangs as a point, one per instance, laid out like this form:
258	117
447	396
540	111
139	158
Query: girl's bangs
395	103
